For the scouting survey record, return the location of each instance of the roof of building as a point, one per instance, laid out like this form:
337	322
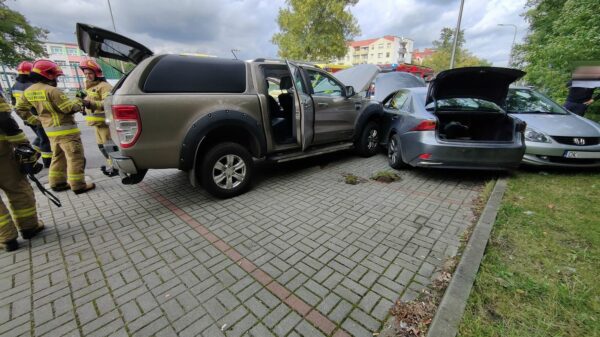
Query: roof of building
361	43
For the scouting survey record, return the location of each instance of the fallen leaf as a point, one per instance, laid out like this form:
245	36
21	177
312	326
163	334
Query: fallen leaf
551	206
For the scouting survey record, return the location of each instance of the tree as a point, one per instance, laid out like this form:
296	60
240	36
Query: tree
315	30
563	34
440	59
18	39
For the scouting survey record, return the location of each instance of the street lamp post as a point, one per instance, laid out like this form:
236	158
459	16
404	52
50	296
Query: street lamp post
462	4
512	46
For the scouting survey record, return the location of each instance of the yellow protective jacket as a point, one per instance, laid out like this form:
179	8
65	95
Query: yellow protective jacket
55	110
96	93
10	133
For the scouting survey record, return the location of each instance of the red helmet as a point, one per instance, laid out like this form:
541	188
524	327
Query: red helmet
91	65
47	69
24	68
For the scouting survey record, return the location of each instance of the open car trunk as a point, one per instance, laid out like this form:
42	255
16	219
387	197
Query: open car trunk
475	126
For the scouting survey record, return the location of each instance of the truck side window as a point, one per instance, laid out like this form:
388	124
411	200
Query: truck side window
323	85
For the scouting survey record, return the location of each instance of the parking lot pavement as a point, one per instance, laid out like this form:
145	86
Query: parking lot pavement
302	253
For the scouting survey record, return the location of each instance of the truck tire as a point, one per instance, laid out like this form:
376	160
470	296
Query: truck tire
227	170
367	144
394	153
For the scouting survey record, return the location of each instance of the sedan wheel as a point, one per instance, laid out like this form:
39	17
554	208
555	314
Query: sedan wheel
395	153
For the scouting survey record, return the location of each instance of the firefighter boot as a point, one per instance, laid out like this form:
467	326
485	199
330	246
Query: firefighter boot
29	234
88	187
11	245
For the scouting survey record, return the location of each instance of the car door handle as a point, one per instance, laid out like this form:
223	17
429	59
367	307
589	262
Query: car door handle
322	105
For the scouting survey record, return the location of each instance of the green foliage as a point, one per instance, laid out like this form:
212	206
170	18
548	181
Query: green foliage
440	60
539	273
386	176
18	39
315	30
563	34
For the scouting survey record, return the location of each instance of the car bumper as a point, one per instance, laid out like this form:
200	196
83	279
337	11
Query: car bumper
128	171
469	155
553	154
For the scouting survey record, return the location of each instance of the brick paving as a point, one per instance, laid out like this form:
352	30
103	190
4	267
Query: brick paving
303	253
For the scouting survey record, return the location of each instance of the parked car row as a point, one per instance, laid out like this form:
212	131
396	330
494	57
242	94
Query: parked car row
211	117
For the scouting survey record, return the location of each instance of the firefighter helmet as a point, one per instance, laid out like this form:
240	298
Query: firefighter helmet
91	65
47	69
24	68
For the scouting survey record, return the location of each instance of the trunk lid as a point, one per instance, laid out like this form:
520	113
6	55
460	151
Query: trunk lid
359	77
486	83
98	42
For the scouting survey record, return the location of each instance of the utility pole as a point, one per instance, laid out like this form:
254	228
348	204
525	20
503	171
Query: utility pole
462	4
112	18
512	46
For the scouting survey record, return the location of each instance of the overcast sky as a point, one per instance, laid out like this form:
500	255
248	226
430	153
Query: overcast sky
216	27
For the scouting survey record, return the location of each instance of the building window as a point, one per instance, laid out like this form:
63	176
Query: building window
57	50
372	47
387	54
380	55
389	45
72	51
61	63
356	48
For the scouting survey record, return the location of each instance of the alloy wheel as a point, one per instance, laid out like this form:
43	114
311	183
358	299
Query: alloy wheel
229	171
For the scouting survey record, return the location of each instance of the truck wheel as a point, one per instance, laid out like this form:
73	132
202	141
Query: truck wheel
368	143
227	170
394	153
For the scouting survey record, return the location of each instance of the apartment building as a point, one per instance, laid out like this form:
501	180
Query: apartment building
388	49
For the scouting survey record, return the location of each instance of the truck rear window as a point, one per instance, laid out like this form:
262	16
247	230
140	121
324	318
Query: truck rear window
182	73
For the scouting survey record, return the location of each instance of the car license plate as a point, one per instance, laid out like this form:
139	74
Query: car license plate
582	155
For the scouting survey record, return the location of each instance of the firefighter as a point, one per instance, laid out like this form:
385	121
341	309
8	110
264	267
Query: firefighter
97	89
21	200
56	113
41	143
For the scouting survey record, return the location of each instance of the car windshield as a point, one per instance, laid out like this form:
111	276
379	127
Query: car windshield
527	101
464	104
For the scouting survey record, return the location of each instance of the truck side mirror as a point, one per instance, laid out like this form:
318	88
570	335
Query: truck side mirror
350	91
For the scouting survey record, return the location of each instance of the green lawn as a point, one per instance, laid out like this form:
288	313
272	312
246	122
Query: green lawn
541	272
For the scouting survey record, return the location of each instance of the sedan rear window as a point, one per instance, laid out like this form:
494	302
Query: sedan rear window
193	74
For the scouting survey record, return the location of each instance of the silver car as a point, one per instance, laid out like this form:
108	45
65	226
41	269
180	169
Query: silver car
455	123
554	136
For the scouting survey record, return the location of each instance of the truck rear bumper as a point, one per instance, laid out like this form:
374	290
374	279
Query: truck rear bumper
128	172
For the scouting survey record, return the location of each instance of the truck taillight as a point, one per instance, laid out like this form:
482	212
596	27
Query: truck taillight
127	123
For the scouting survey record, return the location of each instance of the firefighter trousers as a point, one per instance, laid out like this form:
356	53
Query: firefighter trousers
68	162
102	137
21	201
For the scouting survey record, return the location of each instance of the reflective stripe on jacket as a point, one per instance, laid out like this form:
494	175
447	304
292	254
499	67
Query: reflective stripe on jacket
54	108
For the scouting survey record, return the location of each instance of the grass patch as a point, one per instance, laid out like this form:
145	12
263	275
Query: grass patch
539	274
386	176
352	179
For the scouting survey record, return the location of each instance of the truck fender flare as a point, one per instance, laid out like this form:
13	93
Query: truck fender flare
374	110
197	133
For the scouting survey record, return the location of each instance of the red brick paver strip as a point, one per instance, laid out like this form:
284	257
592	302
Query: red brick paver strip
295	303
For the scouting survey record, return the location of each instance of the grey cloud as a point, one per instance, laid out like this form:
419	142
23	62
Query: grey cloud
215	27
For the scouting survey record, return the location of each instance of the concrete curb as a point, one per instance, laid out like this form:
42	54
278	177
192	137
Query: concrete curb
450	311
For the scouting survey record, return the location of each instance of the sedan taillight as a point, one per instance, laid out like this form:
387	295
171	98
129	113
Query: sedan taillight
426	125
127	123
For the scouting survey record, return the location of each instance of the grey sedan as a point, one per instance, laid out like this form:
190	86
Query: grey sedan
554	136
456	123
